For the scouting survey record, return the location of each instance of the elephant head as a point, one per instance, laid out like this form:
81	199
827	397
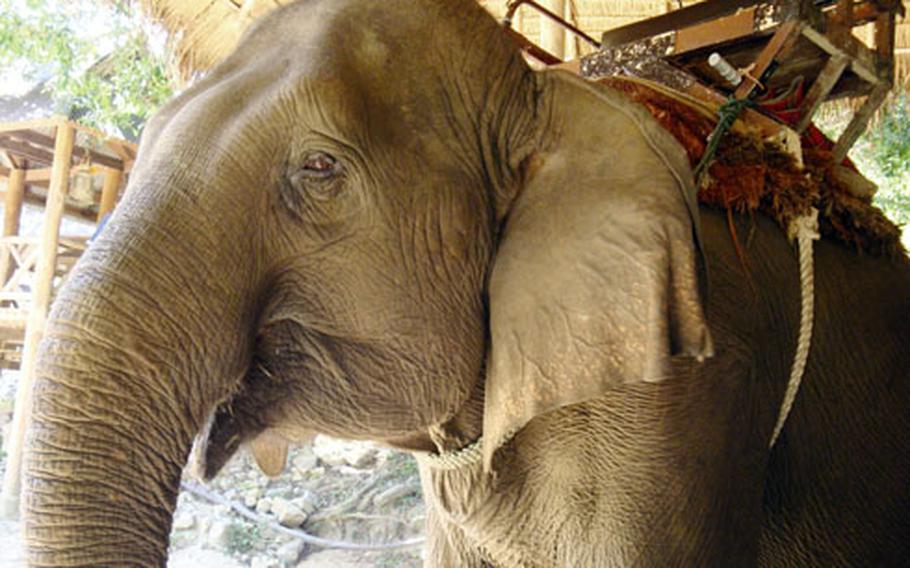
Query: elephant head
373	220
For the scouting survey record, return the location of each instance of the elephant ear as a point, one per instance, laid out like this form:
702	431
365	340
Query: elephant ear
599	275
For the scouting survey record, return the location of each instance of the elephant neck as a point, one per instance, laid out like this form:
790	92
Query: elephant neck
464	428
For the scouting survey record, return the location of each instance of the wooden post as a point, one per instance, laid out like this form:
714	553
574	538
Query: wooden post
842	26
885	29
571	47
518	21
884	34
821	88
41	296
109	191
859	122
12	213
781	42
552	35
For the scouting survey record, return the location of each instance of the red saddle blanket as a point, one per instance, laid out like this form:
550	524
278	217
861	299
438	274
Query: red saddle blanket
749	174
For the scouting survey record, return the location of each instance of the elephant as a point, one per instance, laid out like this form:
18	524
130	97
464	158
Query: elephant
375	221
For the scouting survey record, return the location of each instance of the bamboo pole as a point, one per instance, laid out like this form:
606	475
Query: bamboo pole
571	41
109	191
12	213
552	35
41	296
518	22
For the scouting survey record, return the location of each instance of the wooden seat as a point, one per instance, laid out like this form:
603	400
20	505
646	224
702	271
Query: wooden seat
777	42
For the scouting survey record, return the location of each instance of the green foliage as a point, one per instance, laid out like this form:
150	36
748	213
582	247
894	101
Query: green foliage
100	56
241	538
395	560
890	139
883	154
401	466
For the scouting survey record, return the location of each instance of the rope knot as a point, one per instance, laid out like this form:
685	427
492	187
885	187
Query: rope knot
805	227
726	116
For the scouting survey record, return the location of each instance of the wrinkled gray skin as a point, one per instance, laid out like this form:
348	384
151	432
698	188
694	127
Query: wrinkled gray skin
374	221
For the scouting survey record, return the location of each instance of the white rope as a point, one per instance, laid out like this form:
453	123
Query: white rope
467	456
805	230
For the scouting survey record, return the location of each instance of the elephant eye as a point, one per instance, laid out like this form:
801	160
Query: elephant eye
318	177
320	165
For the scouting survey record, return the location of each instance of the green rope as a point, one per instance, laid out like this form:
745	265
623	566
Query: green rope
726	116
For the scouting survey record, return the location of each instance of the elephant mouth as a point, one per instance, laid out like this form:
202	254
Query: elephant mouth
302	381
242	417
213	446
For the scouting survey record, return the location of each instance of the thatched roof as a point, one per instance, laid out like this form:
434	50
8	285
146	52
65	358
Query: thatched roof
205	31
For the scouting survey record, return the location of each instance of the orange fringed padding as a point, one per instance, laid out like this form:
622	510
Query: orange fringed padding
749	174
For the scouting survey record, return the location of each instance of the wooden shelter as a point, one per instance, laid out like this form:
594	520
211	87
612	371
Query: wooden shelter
207	30
68	169
57	164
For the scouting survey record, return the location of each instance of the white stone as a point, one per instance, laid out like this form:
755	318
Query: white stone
264	506
290	552
204	524
264	562
340	452
289	514
361	457
184	521
218	534
305	460
329	559
196	557
306	502
251	497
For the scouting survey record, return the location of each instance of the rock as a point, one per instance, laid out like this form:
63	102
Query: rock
338	452
184	521
290	552
361	457
329	559
219	534
204	524
264	562
306	502
6	433
305	460
329	451
196	556
264	506
6	405
281	490
11	543
289	514
251	497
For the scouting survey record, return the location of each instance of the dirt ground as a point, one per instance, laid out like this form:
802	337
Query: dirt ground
343	491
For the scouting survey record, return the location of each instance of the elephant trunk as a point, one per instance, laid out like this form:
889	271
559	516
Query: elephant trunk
142	343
